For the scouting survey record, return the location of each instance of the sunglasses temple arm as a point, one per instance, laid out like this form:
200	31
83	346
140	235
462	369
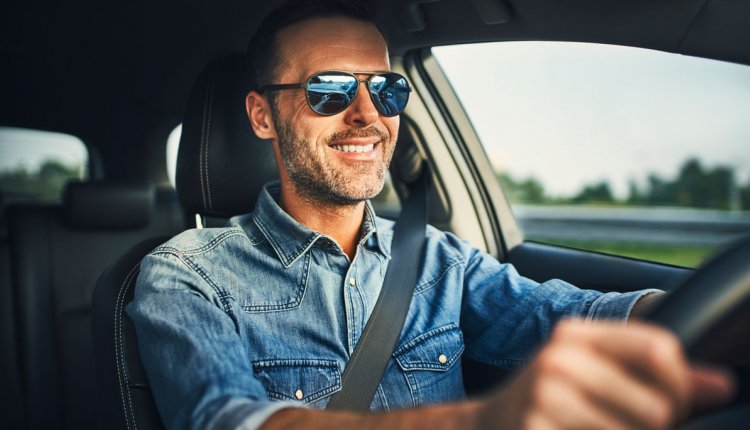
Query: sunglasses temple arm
279	87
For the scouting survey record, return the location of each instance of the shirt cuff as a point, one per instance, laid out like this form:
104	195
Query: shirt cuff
244	414
616	306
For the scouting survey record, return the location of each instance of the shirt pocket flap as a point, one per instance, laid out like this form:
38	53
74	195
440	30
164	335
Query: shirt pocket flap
298	380
436	350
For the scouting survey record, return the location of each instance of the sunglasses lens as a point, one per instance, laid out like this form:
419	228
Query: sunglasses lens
331	93
390	93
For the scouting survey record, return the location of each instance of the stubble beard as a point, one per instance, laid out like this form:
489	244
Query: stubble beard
321	180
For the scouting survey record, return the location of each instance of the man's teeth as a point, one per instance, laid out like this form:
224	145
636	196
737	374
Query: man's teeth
354	148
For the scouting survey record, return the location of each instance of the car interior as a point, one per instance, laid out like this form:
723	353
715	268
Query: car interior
122	77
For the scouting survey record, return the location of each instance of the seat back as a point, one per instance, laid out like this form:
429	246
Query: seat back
57	253
125	400
11	394
221	168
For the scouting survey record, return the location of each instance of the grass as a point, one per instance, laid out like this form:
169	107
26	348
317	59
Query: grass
678	255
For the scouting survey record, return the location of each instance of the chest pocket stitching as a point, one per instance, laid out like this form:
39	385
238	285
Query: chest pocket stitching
422	352
275	377
295	302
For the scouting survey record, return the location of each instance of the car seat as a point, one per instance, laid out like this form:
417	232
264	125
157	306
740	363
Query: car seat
221	168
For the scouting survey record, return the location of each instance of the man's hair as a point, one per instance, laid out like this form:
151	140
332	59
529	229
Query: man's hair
262	52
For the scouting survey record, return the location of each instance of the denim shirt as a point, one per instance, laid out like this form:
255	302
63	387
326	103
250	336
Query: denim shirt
234	323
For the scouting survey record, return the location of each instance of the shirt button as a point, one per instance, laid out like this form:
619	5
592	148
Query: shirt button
443	359
298	394
352	282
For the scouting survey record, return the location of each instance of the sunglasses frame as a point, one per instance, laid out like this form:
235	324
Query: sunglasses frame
304	85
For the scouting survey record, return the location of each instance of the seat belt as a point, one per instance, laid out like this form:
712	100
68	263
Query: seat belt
373	351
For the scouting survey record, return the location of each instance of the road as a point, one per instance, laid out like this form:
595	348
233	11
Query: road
667	225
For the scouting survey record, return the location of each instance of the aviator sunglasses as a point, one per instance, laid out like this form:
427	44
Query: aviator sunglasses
330	92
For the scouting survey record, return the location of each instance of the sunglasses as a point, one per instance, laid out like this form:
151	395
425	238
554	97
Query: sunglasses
332	91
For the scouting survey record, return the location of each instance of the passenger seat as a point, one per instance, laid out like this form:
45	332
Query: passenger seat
57	253
13	415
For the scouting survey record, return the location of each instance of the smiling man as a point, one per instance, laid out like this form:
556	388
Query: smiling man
251	325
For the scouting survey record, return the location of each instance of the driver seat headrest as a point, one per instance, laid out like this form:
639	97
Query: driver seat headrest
221	164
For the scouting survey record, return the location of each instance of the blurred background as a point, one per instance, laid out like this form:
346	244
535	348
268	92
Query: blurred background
620	150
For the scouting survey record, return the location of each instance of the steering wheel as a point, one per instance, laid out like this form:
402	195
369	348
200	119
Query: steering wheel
710	314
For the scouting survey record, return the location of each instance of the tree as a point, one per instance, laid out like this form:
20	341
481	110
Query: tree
745	197
529	190
595	193
635	196
694	186
45	183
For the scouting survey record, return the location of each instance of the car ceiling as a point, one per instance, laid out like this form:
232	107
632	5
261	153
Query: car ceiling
118	74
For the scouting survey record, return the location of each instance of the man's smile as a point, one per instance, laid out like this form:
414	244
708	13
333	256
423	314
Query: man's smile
358	148
354	148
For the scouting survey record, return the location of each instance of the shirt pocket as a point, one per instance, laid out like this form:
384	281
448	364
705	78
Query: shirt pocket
307	381
431	364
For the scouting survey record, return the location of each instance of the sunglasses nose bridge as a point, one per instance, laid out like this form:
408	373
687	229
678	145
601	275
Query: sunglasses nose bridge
367	92
364	81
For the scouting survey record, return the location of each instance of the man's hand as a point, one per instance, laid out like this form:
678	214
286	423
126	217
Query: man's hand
589	376
606	376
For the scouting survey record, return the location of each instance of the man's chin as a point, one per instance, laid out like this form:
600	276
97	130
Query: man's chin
351	194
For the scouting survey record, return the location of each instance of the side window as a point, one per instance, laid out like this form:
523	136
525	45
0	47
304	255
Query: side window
35	165
173	144
386	203
620	150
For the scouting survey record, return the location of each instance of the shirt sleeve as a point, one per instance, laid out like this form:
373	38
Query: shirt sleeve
505	317
197	365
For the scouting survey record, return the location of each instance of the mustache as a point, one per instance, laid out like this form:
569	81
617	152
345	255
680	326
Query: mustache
355	133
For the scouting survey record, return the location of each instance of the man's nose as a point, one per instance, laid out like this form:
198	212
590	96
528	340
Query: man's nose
362	111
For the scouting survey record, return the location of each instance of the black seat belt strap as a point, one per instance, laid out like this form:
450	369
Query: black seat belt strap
373	351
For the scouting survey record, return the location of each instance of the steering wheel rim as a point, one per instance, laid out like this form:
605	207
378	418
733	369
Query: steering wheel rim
699	306
707	297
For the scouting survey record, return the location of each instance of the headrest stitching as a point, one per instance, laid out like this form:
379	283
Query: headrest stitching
212	85
206	101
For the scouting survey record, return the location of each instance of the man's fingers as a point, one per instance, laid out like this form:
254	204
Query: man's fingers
559	401
611	376
610	389
646	352
711	388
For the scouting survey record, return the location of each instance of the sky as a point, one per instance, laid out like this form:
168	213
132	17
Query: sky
574	114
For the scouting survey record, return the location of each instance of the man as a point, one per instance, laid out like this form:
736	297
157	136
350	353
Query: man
243	327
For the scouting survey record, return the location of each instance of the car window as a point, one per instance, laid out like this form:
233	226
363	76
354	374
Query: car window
35	164
386	203
621	150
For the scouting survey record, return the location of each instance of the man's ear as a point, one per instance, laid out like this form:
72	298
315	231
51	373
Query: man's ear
259	114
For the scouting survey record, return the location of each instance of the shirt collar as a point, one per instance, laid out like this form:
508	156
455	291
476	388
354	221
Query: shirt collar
370	228
291	239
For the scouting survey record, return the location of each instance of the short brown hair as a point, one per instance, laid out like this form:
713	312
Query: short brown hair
262	54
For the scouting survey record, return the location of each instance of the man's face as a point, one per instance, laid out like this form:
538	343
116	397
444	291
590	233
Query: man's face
339	159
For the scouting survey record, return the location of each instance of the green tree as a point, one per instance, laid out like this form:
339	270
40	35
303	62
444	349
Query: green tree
529	190
595	193
635	196
745	197
45	183
694	186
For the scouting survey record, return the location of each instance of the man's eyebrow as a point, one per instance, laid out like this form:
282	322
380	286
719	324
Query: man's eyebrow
369	72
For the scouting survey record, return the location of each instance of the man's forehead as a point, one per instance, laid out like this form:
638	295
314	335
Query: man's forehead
331	43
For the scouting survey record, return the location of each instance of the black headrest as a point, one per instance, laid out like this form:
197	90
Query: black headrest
221	164
111	206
